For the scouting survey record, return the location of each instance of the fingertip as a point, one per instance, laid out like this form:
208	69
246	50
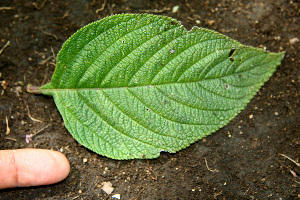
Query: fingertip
60	168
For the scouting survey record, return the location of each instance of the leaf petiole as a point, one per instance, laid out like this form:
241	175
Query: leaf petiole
34	89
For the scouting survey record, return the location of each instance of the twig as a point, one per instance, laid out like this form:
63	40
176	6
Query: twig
156	11
212	170
102	7
110	7
247	190
41	6
53	54
293	173
6	45
37	132
298	164
52	63
45	61
217	194
29	115
75	197
66	14
50	34
45	78
9	138
6	8
29	137
7	126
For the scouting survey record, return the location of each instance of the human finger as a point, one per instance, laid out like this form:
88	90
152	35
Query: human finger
32	167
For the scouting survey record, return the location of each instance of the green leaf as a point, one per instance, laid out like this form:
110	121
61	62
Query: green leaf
134	85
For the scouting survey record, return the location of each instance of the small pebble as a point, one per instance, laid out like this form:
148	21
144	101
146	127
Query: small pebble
175	9
116	196
294	40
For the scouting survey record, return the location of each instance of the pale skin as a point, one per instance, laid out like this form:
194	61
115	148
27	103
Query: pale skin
32	167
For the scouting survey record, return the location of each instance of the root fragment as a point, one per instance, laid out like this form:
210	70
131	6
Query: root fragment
212	170
29	115
7	126
6	45
298	164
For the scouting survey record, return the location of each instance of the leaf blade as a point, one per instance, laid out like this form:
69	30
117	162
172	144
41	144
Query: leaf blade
165	89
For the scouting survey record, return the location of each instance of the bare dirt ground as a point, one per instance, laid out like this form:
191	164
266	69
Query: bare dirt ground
240	161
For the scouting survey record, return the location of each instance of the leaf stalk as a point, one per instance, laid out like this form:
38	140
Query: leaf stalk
34	89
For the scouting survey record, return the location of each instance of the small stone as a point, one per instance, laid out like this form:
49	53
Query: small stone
85	160
276	113
116	196
250	116
294	40
277	37
175	9
210	22
107	187
229	135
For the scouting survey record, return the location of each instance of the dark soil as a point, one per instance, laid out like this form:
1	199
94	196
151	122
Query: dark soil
246	153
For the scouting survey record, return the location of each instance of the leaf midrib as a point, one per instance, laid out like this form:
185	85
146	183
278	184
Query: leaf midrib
136	86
